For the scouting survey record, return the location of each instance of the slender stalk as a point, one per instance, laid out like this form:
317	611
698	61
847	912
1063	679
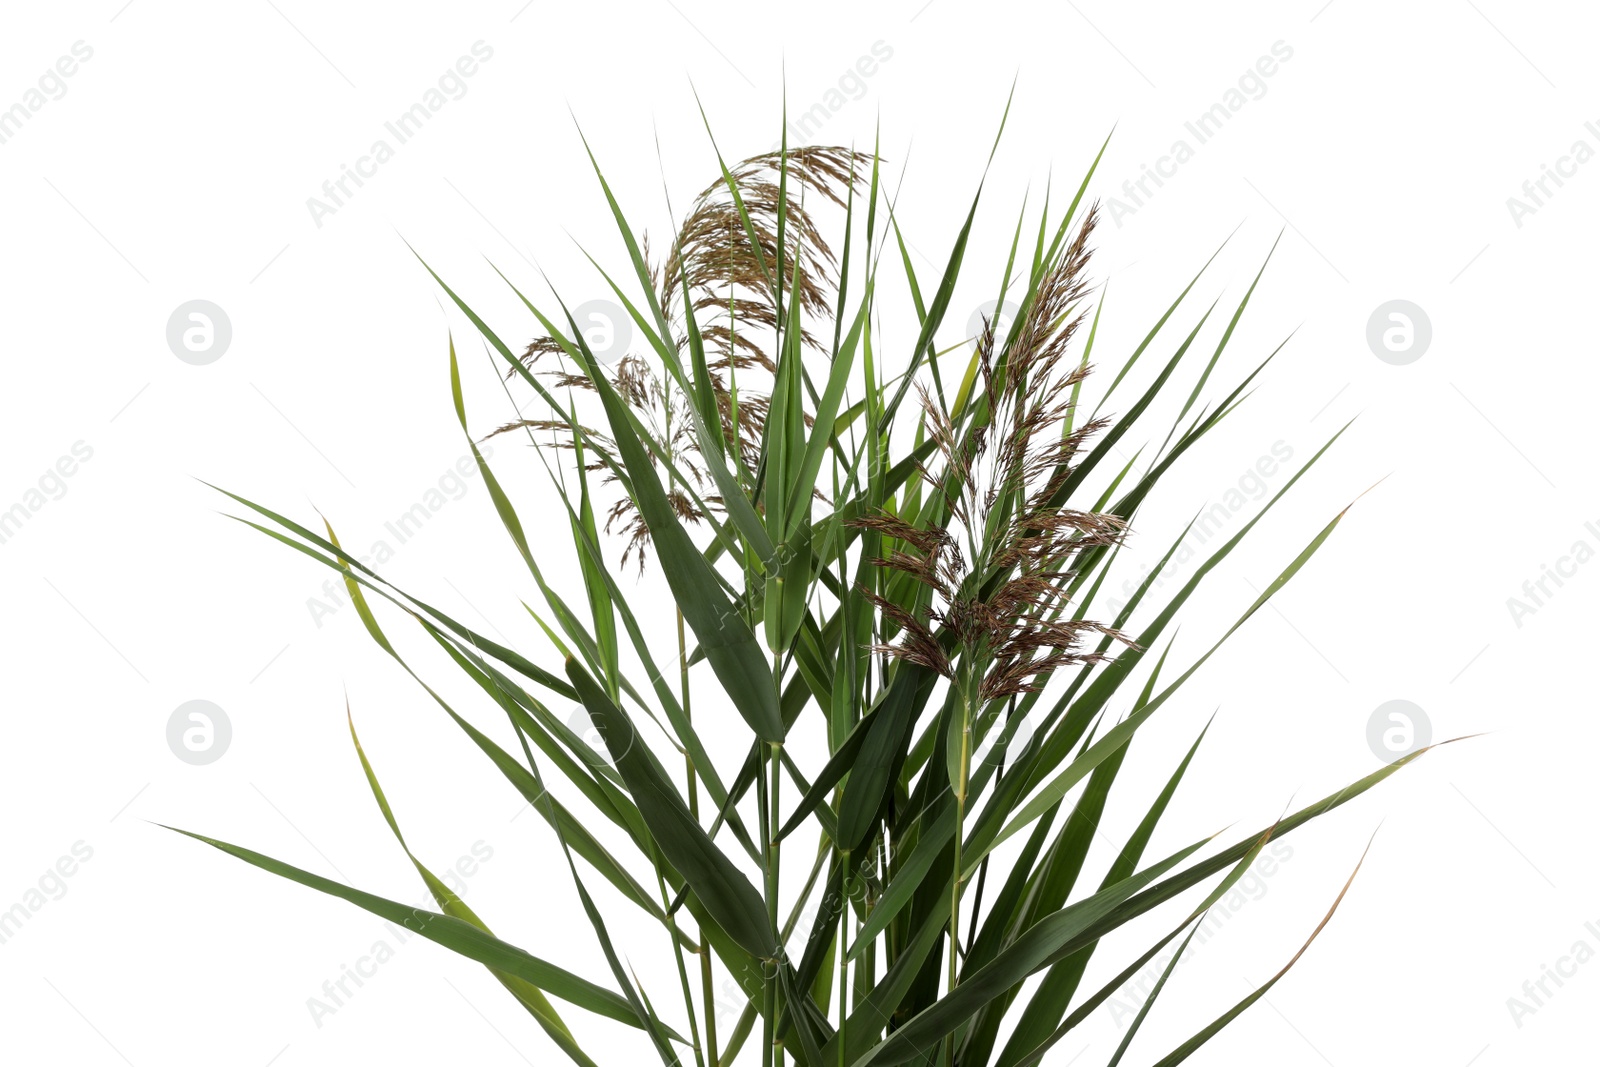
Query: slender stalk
683	698
709	996
983	868
960	788
672	922
867	961
707	980
773	854
844	943
770	849
769	990
683	973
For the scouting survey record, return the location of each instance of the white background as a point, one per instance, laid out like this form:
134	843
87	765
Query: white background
177	166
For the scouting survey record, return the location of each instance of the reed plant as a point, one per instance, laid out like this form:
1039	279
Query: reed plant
880	561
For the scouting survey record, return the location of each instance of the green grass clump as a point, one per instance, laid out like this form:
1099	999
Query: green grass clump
885	555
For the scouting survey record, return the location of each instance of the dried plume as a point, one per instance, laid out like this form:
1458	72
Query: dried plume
1000	470
728	278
